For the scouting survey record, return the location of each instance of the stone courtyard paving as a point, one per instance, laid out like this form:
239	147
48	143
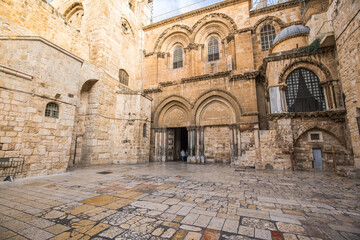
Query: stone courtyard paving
180	201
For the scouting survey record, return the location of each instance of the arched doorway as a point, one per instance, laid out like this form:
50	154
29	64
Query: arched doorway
317	149
83	128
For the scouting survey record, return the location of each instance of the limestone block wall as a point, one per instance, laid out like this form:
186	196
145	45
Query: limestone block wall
41	18
291	133
217	145
240	39
131	144
35	72
346	20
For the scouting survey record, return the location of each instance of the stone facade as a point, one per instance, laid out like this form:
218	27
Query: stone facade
123	97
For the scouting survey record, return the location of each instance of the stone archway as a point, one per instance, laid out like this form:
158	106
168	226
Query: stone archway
83	128
323	142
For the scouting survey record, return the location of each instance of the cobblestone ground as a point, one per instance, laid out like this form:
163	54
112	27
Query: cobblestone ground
180	201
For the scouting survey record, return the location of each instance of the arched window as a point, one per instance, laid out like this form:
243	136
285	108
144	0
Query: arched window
123	77
267	35
52	110
178	58
213	49
303	92
144	130
75	14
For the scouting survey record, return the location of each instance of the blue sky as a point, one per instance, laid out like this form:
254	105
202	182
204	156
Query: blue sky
164	6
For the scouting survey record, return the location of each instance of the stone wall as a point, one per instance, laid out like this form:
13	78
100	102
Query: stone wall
217	145
42	19
36	73
346	20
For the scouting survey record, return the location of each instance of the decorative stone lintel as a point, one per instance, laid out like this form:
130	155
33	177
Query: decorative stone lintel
205	77
336	115
245	76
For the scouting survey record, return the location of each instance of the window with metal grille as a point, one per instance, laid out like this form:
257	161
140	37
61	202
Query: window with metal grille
178	58
267	35
213	49
123	77
144	130
52	110
315	136
303	92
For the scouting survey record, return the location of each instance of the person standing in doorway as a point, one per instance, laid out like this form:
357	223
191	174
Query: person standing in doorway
182	153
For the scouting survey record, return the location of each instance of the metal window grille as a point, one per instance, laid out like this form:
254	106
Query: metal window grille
267	35
144	130
315	136
213	49
123	77
303	92
52	110
178	58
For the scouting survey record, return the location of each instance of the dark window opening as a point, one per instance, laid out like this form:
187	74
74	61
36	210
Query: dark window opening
178	58
52	110
267	35
315	136
144	130
303	92
213	49
123	77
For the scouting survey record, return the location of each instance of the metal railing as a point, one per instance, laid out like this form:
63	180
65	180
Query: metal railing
11	167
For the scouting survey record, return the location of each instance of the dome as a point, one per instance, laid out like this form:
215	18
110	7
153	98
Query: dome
291	31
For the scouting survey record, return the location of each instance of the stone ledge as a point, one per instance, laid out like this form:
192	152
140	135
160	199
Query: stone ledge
15	72
336	115
46	42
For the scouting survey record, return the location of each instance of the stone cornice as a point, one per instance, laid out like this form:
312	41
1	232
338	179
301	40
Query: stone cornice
336	115
152	90
294	54
43	40
196	12
274	8
15	72
205	77
245	76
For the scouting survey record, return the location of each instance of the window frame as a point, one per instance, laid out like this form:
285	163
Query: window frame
180	55
267	36
315	102
52	113
144	130
213	53
122	79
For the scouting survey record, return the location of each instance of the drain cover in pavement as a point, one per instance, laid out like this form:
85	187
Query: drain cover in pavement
105	172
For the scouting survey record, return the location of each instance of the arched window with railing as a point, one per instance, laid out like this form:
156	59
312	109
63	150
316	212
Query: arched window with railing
303	92
213	49
267	35
178	57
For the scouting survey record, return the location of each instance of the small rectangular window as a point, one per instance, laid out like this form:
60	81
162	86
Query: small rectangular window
315	136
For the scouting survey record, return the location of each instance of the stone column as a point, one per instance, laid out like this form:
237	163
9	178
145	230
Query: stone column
163	157
156	152
202	149
197	145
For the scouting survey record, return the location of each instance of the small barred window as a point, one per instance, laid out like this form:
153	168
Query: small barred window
52	110
213	49
267	35
123	77
178	58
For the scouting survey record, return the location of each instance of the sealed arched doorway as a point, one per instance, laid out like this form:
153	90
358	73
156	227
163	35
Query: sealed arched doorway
83	128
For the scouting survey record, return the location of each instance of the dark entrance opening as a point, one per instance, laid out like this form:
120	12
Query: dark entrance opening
180	142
